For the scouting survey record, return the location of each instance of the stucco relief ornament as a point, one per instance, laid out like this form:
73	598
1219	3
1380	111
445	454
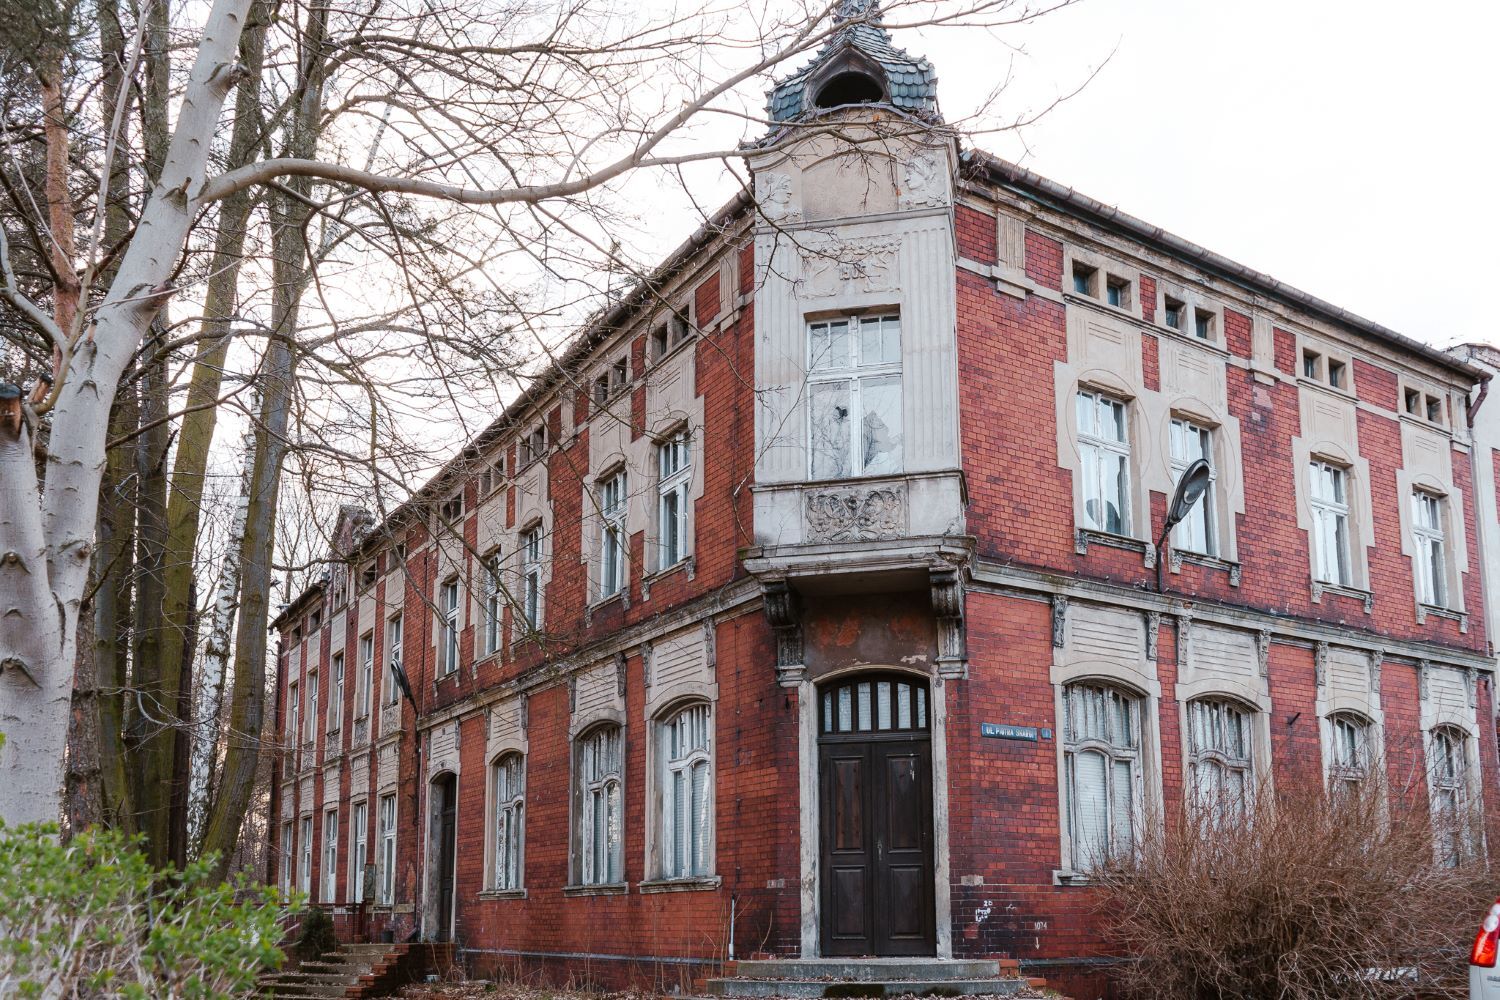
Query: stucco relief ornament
852	515
926	181
773	193
851	266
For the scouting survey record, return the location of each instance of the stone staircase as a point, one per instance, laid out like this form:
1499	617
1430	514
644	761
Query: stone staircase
357	971
868	977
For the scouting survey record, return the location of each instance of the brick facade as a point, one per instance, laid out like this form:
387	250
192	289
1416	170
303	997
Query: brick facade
1031	588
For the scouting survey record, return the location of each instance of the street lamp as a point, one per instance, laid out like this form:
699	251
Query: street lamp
1190	489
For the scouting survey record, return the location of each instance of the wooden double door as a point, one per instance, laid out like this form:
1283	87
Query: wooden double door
875	817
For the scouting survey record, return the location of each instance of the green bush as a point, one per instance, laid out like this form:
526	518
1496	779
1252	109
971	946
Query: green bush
92	919
317	937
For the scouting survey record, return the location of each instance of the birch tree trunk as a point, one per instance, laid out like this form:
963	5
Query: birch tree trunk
46	536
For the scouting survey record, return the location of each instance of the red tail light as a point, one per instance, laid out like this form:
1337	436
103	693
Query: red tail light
1487	941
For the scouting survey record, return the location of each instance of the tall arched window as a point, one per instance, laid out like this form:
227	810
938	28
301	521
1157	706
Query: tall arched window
1448	776
1222	758
1350	757
686	824
1101	760
600	813
510	819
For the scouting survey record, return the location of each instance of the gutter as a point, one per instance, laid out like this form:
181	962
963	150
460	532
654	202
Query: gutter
1030	183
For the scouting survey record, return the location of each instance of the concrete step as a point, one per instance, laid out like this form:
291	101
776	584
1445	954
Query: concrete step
867	969
804	989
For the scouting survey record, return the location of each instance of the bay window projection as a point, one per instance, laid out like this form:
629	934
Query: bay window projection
1431	564
329	875
1196	532
448	636
510	803
1448	778
674	476
1102	767
600	821
1221	763
493	601
386	874
305	854
359	836
531	576
687	789
854	393
1349	757
392	693
611	500
1329	499
1104	449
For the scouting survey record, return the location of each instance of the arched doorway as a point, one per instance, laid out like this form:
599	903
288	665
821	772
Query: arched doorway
442	847
875	816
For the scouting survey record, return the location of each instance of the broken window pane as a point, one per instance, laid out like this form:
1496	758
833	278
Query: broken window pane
881	435
830	344
830	430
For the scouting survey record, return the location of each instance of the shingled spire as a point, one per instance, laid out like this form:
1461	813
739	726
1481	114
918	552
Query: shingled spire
857	65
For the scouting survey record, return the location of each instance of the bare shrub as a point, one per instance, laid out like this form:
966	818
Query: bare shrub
1304	896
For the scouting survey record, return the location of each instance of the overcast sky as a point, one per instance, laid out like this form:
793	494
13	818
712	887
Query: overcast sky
1347	148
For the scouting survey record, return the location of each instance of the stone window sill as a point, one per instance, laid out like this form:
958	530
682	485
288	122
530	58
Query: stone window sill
608	889
1072	878
1436	611
1353	593
1176	558
502	894
697	883
1088	536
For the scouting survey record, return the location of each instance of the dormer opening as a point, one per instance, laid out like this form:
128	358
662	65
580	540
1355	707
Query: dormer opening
849	87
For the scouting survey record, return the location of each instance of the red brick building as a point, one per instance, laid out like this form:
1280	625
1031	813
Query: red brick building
808	606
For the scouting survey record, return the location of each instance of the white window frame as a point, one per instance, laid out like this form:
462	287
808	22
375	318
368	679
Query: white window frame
1332	523
394	627
328	877
310	716
288	857
366	683
858	376
1431	563
294	713
1351	751
508	786
385	883
1091	728
1450	788
531	576
612	501
494	601
1212	757
686	823
1203	520
305	856
674	471
359	837
1095	451
448	601
599	783
336	694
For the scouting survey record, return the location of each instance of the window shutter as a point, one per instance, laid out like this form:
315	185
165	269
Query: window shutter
1090	808
701	818
681	805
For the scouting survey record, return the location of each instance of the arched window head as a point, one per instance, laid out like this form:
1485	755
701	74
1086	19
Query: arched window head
687	791
510	805
1350	753
1102	771
1448	781
852	86
1222	758
600	812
